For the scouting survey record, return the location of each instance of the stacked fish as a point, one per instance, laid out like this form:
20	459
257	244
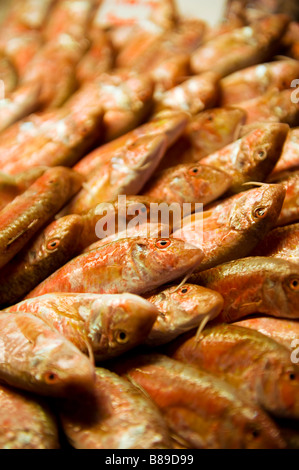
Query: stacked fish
139	340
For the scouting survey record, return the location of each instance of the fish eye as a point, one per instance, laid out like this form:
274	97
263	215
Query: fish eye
51	377
121	337
194	171
53	244
292	376
163	243
255	433
259	212
184	290
210	118
261	154
294	284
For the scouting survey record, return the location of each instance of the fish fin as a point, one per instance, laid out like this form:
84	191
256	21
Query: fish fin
254	183
139	387
89	351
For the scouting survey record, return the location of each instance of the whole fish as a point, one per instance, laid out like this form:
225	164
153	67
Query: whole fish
282	331
251	158
37	358
118	416
27	213
18	104
290	209
181	309
188	183
241	47
25	422
200	409
283	242
193	96
8	74
125	174
12	186
231	228
135	265
289	158
107	325
273	106
254	285
254	81
258	366
48	250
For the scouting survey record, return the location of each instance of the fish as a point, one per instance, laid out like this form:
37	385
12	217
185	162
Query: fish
118	416
282	331
254	285
18	104
33	14
241	47
12	186
8	74
289	159
36	358
200	409
193	96
259	367
104	326
291	40
27	213
231	228
171	125
290	210
47	251
125	174
181	309
273	106
26	422
98	59
281	242
251	158
254	81
261	8
119	214
188	183
135	265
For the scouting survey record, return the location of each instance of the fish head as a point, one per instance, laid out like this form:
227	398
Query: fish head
168	257
60	367
258	208
61	235
261	149
118	323
195	301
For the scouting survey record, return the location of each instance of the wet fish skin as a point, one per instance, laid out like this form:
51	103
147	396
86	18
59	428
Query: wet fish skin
135	265
289	158
282	242
118	416
282	331
181	309
251	158
49	249
27	213
242	47
257	365
188	183
254	285
231	228
254	81
109	325
26	422
8	74
36	358
125	174
290	209
193	402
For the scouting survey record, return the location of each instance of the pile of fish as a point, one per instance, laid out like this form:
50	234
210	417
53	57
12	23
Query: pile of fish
137	339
